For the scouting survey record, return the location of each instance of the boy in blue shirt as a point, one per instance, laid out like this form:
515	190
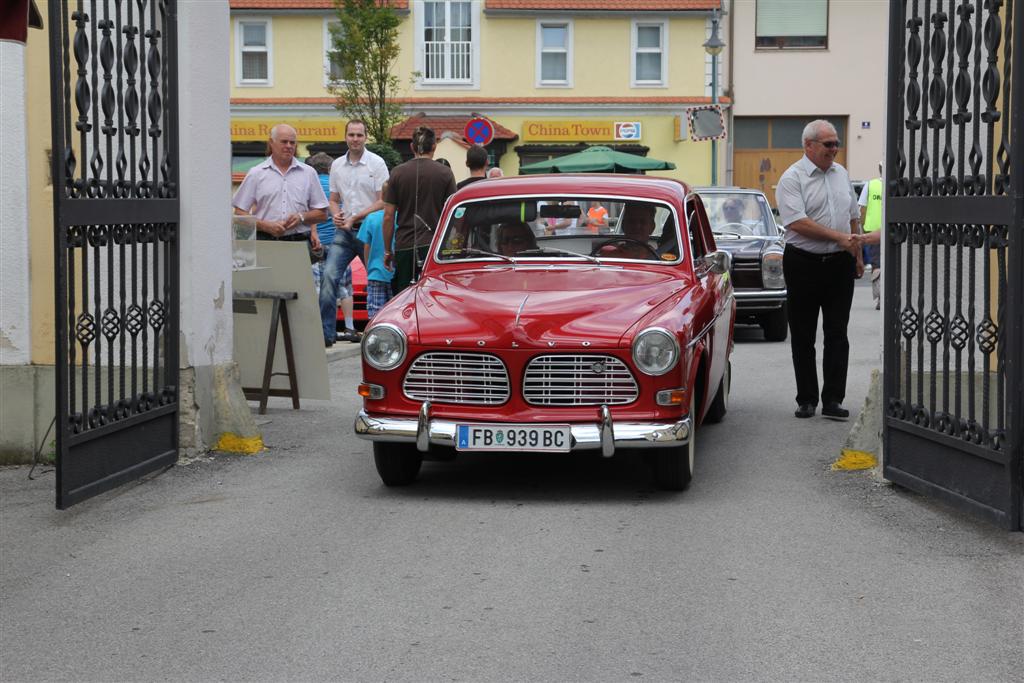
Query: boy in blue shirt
378	278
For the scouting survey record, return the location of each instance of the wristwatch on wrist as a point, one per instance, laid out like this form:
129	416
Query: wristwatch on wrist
302	218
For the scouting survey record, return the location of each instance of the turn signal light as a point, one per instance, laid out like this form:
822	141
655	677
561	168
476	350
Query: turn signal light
671	397
374	392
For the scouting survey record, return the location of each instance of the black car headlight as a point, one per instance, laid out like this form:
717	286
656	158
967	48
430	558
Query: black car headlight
384	346
655	351
771	270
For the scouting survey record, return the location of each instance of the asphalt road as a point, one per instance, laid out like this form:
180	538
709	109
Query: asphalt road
297	564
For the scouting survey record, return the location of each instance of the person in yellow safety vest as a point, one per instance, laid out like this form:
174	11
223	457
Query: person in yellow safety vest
871	221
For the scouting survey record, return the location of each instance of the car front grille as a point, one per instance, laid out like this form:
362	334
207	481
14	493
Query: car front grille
467	378
578	380
746	273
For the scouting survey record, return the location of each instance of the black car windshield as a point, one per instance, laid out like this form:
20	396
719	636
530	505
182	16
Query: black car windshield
561	228
742	214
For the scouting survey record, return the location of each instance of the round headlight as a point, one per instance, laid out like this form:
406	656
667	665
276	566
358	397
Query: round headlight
384	346
655	351
771	270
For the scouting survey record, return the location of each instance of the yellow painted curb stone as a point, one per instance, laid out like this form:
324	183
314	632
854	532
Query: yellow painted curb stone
854	460
244	445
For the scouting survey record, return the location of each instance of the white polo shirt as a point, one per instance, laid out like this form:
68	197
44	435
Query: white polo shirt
358	183
826	197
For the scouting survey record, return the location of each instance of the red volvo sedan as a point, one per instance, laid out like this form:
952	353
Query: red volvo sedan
555	313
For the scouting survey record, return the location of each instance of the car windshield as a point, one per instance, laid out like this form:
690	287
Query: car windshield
741	214
561	228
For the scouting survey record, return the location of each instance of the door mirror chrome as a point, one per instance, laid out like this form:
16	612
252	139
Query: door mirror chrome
719	262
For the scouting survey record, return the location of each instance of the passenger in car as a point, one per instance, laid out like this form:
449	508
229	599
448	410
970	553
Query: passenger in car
514	238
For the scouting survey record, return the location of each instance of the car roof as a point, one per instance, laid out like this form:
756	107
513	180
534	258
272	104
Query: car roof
598	184
727	189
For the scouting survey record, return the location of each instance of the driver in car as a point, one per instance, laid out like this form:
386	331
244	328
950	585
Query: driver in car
732	211
637	226
514	238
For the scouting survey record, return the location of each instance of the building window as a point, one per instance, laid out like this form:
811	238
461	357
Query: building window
447	42
787	24
332	71
254	64
650	54
554	53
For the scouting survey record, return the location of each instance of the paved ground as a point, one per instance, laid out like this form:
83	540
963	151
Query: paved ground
297	564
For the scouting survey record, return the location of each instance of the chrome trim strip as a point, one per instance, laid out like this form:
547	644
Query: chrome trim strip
710	325
520	311
584	436
759	294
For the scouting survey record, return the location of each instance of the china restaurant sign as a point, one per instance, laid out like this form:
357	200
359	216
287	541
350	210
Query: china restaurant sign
307	130
577	130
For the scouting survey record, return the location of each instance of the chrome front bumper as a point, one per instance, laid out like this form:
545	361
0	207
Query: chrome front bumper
603	435
759	299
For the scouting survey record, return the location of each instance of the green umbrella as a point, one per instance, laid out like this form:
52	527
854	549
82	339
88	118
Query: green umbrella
598	159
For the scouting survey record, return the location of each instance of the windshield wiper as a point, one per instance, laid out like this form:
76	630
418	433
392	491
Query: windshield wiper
480	252
726	234
566	252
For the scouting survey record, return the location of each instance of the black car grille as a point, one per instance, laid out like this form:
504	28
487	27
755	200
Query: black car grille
467	378
746	273
578	380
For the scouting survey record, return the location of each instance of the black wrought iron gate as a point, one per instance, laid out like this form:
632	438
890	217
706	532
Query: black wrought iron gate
954	261
115	190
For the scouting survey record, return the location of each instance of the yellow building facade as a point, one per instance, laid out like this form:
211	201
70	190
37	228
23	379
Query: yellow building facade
603	72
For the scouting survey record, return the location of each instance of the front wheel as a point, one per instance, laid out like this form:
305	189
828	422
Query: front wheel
673	467
398	464
776	325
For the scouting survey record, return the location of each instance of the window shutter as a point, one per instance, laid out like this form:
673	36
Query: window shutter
792	18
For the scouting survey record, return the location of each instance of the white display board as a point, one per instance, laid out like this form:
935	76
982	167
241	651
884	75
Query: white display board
283	267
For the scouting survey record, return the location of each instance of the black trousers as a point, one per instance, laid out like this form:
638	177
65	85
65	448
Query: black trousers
816	282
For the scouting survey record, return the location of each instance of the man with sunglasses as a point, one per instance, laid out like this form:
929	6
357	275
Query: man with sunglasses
818	207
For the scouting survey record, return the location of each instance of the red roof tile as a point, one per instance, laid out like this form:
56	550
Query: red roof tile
300	4
445	124
605	5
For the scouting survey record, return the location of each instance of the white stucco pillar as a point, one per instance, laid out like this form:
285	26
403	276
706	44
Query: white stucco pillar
15	330
211	392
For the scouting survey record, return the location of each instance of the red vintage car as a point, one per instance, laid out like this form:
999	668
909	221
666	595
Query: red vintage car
542	323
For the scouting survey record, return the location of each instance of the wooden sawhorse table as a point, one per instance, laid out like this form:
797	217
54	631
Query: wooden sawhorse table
278	314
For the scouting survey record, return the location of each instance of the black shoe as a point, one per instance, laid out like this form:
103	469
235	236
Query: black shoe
328	343
834	411
349	336
806	410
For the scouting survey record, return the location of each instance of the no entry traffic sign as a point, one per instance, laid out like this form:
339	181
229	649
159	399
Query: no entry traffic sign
479	131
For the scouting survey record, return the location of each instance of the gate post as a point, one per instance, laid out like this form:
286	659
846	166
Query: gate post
213	407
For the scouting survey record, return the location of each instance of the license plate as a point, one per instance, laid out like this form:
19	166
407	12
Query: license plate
510	437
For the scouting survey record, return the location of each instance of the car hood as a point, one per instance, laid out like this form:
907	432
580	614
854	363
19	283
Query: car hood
747	247
525	306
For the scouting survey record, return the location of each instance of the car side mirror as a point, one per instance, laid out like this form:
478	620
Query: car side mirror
719	262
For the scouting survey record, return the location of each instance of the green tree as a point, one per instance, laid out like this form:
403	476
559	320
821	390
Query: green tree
365	49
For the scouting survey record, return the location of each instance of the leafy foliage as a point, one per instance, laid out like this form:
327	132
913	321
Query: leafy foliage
388	153
365	49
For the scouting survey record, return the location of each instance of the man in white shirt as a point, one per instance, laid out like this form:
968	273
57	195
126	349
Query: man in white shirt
818	207
283	194
356	181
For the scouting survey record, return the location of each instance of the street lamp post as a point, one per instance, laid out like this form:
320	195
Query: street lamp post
713	46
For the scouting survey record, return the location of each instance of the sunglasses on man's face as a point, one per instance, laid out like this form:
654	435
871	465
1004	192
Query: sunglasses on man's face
515	239
831	144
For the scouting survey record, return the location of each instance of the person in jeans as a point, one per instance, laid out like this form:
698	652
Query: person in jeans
356	181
